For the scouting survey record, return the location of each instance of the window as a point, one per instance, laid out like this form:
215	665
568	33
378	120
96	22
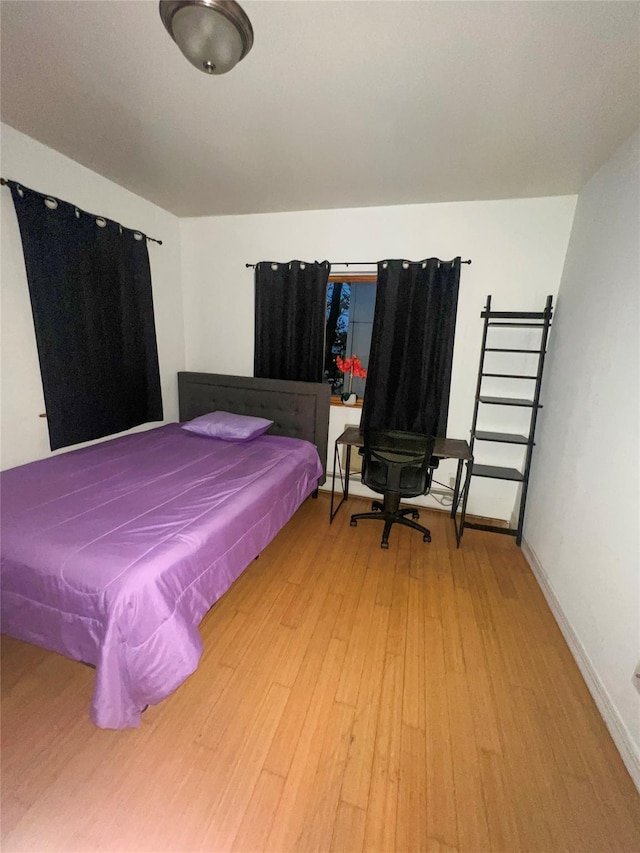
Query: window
349	320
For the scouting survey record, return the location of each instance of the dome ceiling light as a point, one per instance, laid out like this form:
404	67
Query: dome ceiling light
214	35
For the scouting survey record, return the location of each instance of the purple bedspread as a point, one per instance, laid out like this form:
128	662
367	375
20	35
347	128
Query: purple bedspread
113	554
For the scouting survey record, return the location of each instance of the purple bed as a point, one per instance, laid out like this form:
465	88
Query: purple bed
112	554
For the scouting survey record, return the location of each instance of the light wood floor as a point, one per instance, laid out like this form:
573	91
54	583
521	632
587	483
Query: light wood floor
349	698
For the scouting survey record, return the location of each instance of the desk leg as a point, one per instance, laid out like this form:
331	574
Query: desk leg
465	494
333	483
456	489
345	482
346	473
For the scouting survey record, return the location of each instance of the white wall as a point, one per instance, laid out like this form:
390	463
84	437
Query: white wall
24	436
517	247
584	506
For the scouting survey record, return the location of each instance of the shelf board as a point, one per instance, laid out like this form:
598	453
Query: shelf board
519	325
507	349
502	437
515	315
509	376
496	472
492	528
507	401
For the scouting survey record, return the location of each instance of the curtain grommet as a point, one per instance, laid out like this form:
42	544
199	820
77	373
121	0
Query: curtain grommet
50	202
101	222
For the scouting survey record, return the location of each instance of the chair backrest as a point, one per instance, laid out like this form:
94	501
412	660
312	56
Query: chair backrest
397	461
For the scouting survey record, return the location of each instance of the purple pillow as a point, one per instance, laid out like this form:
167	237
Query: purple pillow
228	426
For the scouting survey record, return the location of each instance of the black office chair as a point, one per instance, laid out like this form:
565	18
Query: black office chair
398	465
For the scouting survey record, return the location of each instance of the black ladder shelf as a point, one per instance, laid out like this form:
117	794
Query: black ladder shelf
508	319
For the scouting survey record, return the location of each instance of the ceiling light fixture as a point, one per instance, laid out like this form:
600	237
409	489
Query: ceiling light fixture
214	35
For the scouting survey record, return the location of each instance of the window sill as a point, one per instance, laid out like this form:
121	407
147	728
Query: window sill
337	401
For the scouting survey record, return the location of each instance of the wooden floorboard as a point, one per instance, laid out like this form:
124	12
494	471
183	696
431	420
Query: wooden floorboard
348	698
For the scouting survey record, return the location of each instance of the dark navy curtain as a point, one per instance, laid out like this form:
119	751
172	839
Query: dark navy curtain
412	346
290	308
90	290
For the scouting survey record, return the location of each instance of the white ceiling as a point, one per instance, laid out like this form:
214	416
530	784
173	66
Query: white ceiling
339	104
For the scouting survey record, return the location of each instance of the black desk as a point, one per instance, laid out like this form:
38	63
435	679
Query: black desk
445	448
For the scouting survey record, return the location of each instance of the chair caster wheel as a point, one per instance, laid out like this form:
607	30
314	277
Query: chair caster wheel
353	523
426	538
384	545
415	515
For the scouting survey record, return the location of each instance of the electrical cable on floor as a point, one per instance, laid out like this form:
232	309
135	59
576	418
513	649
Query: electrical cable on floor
444	499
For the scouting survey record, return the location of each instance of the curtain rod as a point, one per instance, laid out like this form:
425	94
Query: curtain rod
5	183
350	264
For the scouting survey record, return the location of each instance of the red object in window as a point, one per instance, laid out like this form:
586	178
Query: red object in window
352	366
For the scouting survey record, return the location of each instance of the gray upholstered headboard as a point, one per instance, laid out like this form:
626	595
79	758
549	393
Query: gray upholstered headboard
297	409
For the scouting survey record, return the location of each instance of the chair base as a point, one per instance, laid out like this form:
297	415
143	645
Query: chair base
391	514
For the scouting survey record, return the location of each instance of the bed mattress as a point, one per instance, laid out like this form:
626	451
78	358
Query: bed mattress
113	554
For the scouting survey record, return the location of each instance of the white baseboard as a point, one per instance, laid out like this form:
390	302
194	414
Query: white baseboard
617	729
